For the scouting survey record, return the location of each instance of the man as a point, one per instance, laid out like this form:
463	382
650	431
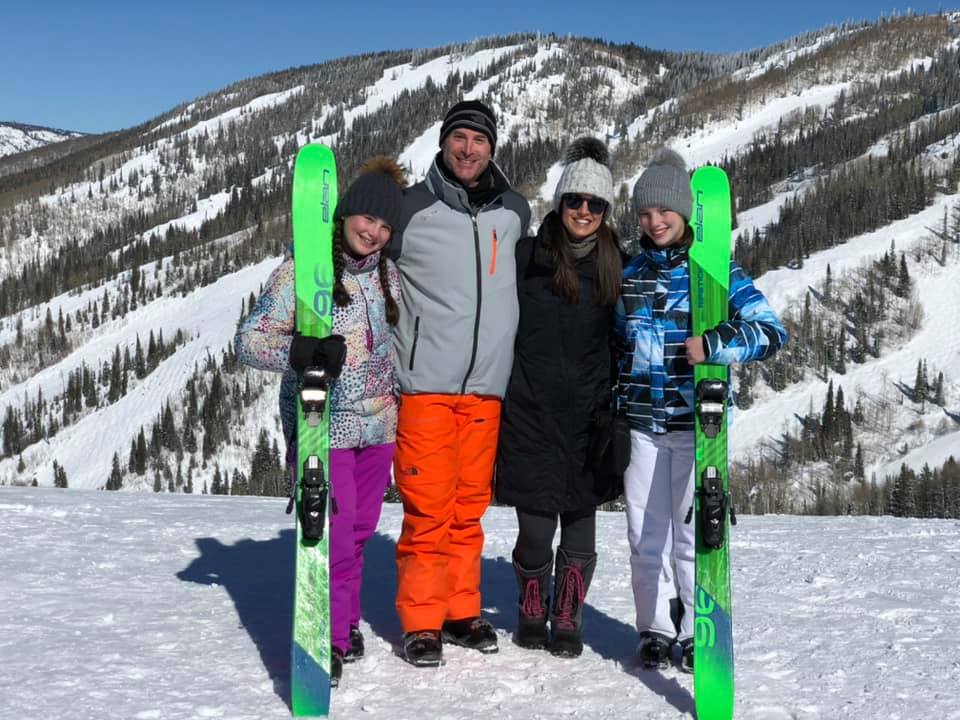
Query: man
454	344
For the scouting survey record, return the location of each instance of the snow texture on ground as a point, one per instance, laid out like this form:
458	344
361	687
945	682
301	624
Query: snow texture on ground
169	607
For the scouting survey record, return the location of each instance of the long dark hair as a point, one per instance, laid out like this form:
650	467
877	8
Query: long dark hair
340	295
566	282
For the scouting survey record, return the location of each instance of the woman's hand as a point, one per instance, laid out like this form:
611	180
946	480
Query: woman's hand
695	349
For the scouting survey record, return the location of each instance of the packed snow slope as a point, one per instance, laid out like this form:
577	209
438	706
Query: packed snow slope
168	607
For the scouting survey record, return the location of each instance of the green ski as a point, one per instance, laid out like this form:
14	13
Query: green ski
709	285
314	201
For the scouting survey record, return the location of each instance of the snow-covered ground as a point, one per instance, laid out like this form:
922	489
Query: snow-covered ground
129	605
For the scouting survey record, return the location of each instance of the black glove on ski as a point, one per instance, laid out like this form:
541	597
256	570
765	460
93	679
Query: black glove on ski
327	353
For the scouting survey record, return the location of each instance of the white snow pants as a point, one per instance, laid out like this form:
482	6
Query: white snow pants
658	487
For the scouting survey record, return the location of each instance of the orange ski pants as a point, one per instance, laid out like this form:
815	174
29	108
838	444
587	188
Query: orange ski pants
443	468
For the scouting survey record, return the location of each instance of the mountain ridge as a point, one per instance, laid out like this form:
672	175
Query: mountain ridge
202	190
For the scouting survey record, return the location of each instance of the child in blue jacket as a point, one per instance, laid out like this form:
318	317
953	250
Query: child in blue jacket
655	387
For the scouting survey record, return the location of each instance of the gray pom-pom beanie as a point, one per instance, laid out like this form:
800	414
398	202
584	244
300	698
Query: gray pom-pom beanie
586	170
665	184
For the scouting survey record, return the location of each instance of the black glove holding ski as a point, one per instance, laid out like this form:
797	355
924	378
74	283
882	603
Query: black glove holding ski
328	353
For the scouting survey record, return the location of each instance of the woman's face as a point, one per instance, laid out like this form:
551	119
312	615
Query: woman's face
365	234
578	217
664	227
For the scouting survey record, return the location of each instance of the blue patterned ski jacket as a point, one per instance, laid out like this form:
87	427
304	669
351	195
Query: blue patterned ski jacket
651	322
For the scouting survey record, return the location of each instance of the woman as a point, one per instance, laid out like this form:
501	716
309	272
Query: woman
568	280
359	354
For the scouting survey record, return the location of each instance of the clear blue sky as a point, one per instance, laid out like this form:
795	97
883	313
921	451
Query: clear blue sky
98	66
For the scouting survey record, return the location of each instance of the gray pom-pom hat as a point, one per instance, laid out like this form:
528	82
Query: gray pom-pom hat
586	170
665	184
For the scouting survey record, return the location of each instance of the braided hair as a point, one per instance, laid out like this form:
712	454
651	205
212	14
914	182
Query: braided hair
383	165
341	295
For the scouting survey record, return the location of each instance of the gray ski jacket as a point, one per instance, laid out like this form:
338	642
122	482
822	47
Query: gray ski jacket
458	287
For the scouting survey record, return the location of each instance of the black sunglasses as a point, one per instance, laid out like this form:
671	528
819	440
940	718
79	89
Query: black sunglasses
594	205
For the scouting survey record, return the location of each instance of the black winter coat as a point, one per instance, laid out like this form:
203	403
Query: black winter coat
561	376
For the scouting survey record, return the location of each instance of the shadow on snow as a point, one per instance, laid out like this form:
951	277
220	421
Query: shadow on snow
258	576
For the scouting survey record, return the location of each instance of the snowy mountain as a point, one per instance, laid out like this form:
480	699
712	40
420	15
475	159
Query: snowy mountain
17	138
127	261
166	606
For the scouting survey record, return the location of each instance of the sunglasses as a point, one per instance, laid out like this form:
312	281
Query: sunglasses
594	205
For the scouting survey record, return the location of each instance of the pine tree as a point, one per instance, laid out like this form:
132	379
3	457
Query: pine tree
903	278
858	468
903	500
266	470
841	364
139	363
132	458
920	386
216	486
140	456
59	475
115	480
113	393
170	438
827	429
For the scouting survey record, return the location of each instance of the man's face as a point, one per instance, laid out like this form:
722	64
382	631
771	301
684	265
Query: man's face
466	153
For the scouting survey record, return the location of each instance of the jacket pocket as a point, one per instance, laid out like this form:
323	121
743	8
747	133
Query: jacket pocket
416	337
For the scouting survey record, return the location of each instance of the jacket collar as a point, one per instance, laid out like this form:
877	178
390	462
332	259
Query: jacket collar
453	193
543	250
664	257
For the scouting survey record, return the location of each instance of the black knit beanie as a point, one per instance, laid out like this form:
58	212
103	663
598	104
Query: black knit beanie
377	191
471	114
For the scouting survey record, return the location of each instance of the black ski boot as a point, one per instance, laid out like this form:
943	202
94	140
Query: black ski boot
686	655
423	648
336	667
534	601
574	573
654	650
355	651
474	633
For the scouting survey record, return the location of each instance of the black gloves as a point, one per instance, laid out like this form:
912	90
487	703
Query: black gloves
327	353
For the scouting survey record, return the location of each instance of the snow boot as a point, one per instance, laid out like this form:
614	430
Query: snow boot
686	655
654	650
474	633
534	600
423	648
336	667
574	573
355	651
